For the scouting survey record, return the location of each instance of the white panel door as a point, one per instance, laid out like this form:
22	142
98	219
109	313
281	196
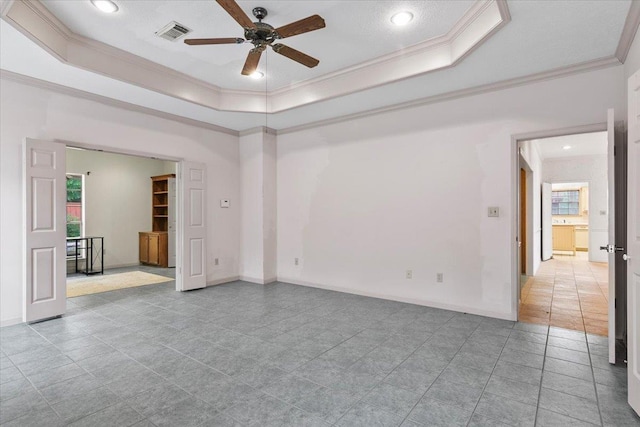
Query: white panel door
633	244
171	223
611	258
192	272
44	291
547	226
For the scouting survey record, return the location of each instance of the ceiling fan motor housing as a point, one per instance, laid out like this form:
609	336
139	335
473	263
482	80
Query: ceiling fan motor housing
263	34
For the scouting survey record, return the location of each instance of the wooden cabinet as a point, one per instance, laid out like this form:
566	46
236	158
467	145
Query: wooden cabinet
157	247
582	238
143	238
153	248
564	238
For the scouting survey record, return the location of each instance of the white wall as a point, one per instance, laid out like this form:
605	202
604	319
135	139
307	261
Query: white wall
43	114
270	207
591	169
362	201
117	199
258	207
251	209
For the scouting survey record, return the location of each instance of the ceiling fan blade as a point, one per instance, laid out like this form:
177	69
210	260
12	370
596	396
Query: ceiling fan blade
296	55
236	13
314	22
230	40
251	64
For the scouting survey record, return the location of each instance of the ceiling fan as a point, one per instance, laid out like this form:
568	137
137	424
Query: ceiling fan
262	35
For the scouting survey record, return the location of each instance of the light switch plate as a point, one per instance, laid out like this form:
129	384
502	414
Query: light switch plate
494	211
224	203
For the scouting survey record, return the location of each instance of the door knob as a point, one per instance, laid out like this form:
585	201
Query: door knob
626	257
611	248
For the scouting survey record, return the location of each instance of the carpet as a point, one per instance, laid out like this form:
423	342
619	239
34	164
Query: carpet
110	282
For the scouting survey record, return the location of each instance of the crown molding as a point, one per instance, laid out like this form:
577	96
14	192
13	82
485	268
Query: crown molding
65	90
478	90
481	21
5	5
34	20
628	32
258	129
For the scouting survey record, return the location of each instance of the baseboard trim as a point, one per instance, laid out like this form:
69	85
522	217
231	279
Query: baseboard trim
257	280
223	281
426	303
10	322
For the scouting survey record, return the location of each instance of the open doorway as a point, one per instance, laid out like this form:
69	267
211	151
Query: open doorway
568	282
114	202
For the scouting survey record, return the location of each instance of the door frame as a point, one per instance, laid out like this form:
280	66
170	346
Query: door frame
516	139
524	219
149	155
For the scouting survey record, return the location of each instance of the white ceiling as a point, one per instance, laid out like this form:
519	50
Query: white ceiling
541	36
585	144
356	31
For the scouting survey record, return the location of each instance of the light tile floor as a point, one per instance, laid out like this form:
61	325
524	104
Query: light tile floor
568	292
283	355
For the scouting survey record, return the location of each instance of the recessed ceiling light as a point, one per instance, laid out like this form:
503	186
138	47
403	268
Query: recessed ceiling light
106	6
402	18
257	75
566	147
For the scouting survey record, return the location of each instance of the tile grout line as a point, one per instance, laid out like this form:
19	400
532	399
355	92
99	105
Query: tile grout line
489	379
584	326
544	361
38	390
436	379
593	379
387	375
158	341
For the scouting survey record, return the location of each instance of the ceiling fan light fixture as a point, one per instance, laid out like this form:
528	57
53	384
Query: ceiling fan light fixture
256	75
106	6
402	18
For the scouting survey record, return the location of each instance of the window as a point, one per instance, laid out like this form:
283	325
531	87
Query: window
75	217
566	202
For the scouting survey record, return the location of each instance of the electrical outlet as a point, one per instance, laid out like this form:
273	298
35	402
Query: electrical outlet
296	261
439	277
409	274
494	211
216	261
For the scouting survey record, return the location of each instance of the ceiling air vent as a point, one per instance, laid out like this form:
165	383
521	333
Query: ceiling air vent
172	31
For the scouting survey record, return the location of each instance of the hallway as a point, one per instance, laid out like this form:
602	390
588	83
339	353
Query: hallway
568	292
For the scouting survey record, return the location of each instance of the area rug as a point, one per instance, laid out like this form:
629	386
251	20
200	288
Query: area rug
110	282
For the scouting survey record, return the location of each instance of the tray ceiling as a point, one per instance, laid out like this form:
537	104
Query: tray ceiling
357	31
542	37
